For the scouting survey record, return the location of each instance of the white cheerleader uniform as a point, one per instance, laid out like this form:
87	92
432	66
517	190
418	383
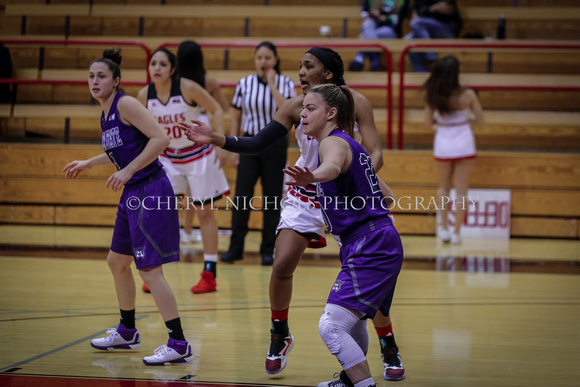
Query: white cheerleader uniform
454	138
192	168
301	210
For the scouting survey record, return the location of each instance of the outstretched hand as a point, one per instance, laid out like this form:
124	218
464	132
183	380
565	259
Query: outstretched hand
300	176
73	169
199	132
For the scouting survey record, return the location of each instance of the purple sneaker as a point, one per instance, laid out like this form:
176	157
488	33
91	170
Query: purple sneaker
175	352
118	338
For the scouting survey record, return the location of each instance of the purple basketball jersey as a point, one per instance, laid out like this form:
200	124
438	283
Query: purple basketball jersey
371	253
123	143
355	196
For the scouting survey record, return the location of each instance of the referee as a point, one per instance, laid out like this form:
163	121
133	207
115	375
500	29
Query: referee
255	101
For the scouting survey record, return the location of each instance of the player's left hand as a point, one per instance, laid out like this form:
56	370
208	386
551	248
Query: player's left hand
300	176
197	131
118	179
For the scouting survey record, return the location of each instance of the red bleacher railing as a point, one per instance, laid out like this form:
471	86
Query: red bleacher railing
389	69
514	46
75	42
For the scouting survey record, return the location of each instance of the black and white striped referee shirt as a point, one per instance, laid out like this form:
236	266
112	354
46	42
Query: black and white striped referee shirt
254	99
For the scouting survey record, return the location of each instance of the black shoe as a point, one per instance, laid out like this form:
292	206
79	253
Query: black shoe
267	259
230	257
355	66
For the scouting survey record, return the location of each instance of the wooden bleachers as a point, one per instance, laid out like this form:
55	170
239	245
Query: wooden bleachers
472	61
491	99
545	192
503	130
524	22
183	20
545	188
274	20
522	119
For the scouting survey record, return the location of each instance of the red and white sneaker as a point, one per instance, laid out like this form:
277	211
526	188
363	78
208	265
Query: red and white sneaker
146	288
206	284
280	347
393	365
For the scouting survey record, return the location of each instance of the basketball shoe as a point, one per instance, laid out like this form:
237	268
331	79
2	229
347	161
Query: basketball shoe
444	234
146	288
206	284
175	352
118	338
342	381
280	347
392	363
455	239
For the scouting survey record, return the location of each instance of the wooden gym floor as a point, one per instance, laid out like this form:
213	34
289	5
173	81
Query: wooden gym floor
486	313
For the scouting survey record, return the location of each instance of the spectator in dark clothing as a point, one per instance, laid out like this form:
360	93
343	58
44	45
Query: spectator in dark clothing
5	72
432	19
381	20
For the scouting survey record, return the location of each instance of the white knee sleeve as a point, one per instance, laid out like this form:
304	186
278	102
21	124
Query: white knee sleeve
335	326
360	334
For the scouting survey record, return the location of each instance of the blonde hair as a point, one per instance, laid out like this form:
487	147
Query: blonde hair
339	97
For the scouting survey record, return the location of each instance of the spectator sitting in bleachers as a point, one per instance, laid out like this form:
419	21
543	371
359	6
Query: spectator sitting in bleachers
381	20
432	19
5	72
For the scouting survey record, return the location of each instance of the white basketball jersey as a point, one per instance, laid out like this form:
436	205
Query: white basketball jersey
308	149
171	114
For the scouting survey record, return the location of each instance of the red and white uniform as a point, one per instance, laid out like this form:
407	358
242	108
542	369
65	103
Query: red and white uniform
454	138
301	210
191	167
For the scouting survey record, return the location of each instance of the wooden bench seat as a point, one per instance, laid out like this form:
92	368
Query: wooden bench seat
503	129
192	20
273	20
490	99
545	188
494	60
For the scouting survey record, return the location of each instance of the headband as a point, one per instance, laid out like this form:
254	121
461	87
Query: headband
326	58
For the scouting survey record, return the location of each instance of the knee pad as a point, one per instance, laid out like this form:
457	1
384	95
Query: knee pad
335	326
329	333
360	334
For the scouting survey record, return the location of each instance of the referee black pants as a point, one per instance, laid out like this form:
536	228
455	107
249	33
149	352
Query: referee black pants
268	166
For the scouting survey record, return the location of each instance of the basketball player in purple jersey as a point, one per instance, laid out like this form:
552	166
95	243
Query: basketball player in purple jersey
355	209
147	226
302	226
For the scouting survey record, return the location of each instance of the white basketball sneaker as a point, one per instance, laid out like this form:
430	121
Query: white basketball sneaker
175	352
455	239
444	234
185	238
118	338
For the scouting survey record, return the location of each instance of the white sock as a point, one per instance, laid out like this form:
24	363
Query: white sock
210	257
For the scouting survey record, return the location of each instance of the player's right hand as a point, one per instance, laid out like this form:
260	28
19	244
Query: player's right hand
73	169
